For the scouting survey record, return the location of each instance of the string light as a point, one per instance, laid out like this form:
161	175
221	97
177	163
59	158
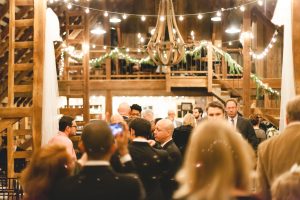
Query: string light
218	13
265	52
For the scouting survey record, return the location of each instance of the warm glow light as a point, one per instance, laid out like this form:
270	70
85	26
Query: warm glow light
260	2
114	20
219	14
162	18
200	16
232	30
143	18
216	19
69	6
242	8
124	16
181	18
87	10
105	14
98	31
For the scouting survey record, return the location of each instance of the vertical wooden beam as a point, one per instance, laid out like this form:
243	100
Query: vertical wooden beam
296	42
107	41
86	70
247	64
38	69
209	67
108	103
168	78
10	152
11	58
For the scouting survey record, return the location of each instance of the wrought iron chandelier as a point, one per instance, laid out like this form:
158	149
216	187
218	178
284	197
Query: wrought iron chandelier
166	45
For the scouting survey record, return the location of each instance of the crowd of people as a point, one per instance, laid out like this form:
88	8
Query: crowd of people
134	155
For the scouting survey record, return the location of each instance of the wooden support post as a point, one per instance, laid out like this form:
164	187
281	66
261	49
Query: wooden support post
10	153
38	58
86	72
210	67
247	64
108	103
168	78
296	40
11	59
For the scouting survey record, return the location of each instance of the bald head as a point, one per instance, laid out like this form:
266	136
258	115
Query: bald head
116	119
124	109
97	139
163	130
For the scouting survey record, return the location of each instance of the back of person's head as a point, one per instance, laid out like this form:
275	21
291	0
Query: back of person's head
136	107
141	127
97	139
189	119
217	160
48	166
114	119
64	122
254	119
293	109
148	115
286	186
215	104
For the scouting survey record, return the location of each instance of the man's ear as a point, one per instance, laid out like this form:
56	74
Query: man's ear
132	133
287	121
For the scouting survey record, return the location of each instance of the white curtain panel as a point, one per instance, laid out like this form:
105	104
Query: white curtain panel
50	86
283	16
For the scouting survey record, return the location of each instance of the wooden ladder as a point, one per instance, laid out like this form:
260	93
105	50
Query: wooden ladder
77	36
12	114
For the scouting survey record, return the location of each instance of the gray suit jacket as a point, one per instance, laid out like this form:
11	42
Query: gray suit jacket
276	156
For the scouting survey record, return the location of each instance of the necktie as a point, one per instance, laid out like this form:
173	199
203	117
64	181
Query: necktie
232	121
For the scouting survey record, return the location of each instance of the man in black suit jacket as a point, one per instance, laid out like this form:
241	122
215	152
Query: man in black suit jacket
243	125
151	164
97	180
163	134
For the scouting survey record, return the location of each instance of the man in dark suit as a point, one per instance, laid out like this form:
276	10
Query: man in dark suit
97	180
278	154
243	125
163	134
151	164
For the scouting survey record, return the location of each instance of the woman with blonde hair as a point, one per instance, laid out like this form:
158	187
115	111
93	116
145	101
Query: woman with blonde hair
47	167
182	133
217	165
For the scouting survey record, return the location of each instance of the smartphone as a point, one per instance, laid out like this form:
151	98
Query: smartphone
116	128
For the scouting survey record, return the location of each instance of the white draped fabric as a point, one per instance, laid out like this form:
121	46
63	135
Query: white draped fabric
50	86
283	16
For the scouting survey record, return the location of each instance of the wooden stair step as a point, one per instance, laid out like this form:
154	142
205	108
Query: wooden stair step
73	27
24	45
16	112
23	66
22	132
23	88
24	2
5	123
74	41
23	22
22	154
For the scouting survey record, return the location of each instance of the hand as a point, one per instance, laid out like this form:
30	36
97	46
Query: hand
152	142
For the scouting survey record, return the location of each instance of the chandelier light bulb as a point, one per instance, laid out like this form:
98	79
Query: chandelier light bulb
162	18
105	14
200	16
143	18
87	10
260	2
69	6
124	16
242	8
181	18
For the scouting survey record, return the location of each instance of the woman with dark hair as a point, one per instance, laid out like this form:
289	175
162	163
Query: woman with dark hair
260	133
48	166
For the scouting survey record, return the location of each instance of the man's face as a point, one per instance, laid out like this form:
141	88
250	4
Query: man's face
73	128
161	134
231	109
196	113
215	113
135	113
171	115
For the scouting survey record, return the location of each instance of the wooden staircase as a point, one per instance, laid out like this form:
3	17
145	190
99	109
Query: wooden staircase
77	36
13	115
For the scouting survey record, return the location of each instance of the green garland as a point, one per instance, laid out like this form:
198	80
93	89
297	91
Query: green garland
234	67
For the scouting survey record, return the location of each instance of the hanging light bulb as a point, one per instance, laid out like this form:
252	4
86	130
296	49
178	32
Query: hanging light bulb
105	14
143	18
242	8
124	16
98	29
200	16
87	10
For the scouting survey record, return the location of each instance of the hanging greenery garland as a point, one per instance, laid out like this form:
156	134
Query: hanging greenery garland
234	67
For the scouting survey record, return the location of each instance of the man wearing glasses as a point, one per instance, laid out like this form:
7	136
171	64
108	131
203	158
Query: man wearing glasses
67	128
